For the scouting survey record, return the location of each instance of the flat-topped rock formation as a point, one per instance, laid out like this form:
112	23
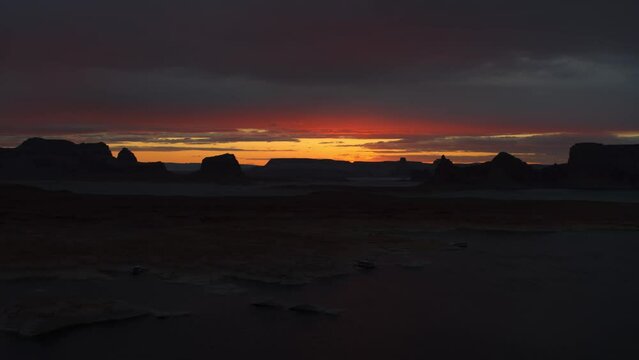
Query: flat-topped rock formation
223	167
307	164
326	169
597	165
395	169
63	149
621	157
304	169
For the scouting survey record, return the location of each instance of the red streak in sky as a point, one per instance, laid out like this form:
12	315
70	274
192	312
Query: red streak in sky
297	123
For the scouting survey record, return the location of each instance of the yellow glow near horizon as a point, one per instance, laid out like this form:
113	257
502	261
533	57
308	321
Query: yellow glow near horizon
255	152
259	152
627	134
504	136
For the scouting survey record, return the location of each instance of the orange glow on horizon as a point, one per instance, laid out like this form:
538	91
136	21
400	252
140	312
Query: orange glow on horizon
255	152
257	136
259	153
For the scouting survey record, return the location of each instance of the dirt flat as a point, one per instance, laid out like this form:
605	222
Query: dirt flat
378	275
307	232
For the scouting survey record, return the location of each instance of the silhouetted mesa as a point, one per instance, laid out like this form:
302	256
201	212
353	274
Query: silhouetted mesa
590	166
598	165
298	169
38	158
394	169
220	168
504	170
326	169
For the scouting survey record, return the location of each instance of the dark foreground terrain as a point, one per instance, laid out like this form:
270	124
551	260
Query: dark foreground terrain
331	274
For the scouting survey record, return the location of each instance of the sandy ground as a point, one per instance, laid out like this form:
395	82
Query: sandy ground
200	189
452	278
392	186
626	196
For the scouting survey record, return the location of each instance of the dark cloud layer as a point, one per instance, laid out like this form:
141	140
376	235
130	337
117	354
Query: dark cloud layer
508	66
290	39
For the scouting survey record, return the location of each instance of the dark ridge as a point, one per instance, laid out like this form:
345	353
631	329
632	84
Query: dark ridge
43	159
503	171
326	169
590	165
598	165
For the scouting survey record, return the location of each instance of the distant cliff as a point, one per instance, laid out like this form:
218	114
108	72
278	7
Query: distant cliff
38	158
221	168
503	171
597	165
326	169
589	166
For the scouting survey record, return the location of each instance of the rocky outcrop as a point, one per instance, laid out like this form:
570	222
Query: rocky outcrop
504	170
445	171
39	158
65	150
221	167
598	165
303	169
590	166
326	169
62	155
148	171
387	169
4	154
125	156
625	157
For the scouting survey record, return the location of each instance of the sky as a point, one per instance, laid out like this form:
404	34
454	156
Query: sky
355	80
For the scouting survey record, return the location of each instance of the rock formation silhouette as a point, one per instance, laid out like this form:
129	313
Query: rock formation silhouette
125	156
598	165
327	169
590	165
223	167
444	172
508	169
504	170
38	158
